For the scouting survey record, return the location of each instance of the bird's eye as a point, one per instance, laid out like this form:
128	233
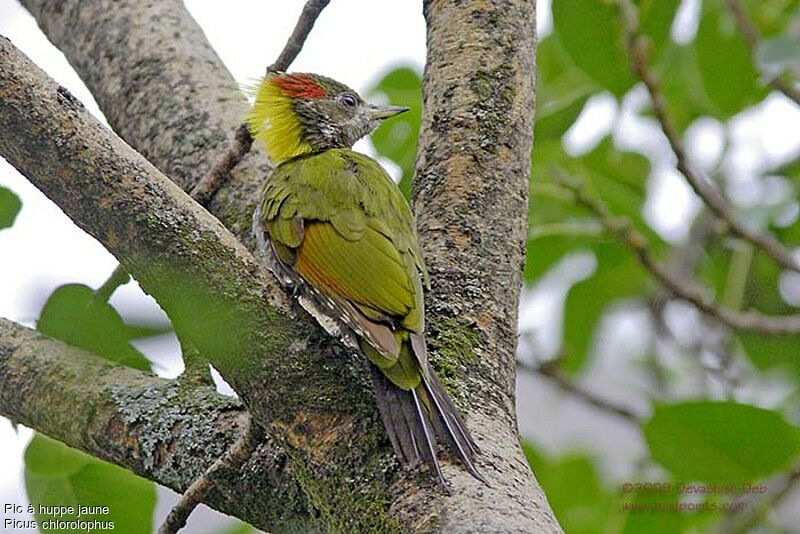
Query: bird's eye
349	101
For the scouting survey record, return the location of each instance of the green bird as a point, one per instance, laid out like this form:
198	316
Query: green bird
335	229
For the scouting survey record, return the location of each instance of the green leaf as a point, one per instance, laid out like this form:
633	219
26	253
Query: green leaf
397	138
720	442
618	276
562	89
682	85
656	18
726	66
642	521
619	178
59	476
141	331
574	490
73	315
592	35
769	351
10	204
772	17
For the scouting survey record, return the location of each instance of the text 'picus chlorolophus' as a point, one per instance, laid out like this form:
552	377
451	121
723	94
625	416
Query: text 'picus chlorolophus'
334	228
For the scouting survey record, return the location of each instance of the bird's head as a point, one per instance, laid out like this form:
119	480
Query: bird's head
296	114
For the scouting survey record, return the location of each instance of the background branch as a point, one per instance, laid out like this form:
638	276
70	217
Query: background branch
702	186
308	17
752	37
554	374
683	289
242	141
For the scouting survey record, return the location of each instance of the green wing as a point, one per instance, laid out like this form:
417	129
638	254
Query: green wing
340	222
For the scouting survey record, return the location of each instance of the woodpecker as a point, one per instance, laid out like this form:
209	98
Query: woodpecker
336	230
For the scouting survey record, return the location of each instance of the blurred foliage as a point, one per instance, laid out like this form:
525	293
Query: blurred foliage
74	314
593	36
9	207
729	76
619	178
396	140
710	74
720	442
58	476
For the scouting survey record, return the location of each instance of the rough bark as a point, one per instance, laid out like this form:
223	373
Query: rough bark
471	200
154	427
164	90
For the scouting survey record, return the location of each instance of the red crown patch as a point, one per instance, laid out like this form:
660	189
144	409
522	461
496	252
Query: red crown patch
299	85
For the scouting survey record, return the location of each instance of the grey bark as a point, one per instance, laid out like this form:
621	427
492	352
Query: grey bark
165	91
154	427
471	200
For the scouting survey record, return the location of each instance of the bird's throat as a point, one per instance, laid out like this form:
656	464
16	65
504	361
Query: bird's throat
273	122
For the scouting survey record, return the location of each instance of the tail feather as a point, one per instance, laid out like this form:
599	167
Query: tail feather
430	440
417	420
456	435
399	417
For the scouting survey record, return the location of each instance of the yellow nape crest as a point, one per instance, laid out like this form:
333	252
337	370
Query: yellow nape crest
273	122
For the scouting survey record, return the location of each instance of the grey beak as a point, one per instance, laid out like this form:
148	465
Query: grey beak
384	112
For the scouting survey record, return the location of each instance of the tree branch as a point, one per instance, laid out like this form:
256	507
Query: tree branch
232	460
553	373
294	45
221	171
702	186
685	290
752	38
471	199
169	97
242	141
143	423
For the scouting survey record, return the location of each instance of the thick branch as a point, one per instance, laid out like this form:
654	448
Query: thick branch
162	88
702	186
471	198
147	424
